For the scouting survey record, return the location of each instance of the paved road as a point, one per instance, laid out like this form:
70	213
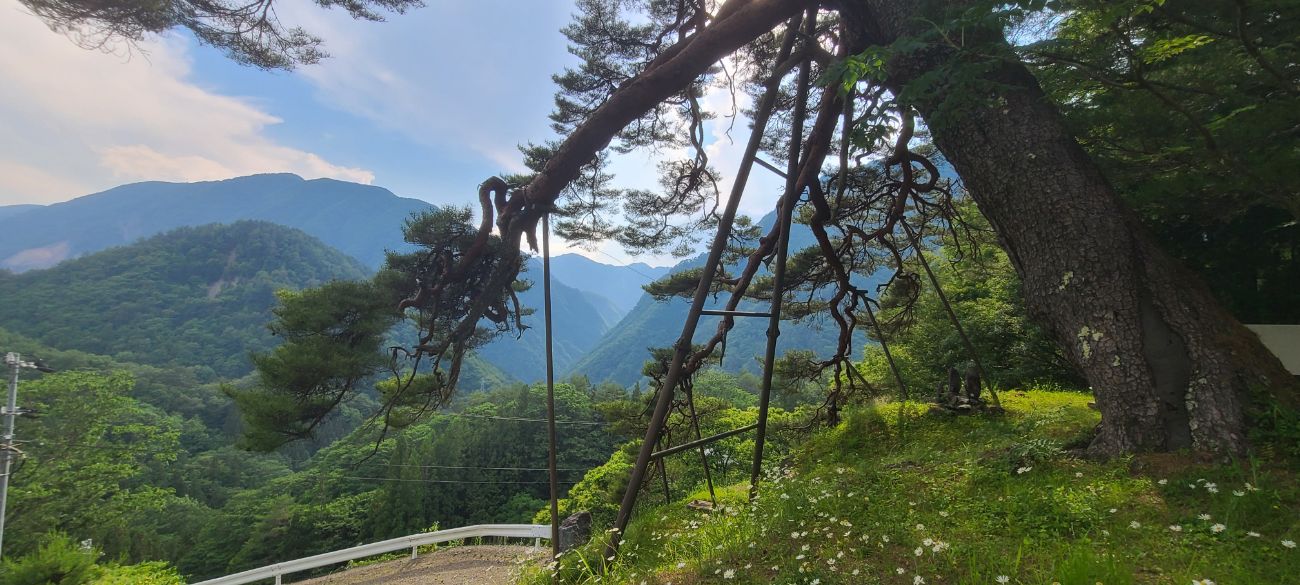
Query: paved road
486	565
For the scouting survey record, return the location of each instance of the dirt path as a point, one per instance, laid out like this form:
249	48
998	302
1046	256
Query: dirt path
487	565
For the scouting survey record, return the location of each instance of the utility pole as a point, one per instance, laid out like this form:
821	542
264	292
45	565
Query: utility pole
7	451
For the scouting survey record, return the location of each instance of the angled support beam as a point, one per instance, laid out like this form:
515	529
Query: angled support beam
702	442
722	313
683	346
769	166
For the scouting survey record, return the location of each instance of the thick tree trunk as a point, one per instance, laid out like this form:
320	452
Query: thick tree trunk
1170	368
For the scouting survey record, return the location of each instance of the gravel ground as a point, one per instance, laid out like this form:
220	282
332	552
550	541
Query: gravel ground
486	565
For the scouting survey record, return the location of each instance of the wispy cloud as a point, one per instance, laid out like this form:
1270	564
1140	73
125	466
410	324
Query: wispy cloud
78	120
470	80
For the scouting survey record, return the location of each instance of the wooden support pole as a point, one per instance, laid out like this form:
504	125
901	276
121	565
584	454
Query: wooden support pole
785	214
550	389
952	315
683	345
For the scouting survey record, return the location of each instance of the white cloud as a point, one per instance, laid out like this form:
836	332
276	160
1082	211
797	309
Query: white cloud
79	120
36	185
457	77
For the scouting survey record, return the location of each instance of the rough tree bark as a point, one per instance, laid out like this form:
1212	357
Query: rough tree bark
1170	368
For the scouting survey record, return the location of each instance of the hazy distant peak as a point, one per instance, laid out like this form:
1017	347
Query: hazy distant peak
360	220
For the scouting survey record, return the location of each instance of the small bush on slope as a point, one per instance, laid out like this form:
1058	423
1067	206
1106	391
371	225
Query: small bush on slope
918	499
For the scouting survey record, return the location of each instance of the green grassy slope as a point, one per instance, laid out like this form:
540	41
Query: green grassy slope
973	500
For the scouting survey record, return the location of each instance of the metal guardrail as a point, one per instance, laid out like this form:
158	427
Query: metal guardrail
537	532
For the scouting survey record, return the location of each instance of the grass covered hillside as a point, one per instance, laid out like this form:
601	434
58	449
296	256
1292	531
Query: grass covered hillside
894	495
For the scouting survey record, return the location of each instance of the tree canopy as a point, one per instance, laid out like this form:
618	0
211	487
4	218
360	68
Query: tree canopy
248	32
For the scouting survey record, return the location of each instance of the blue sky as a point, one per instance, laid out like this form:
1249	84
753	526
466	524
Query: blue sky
427	104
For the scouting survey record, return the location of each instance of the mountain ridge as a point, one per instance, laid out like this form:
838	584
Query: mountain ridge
194	296
360	220
620	354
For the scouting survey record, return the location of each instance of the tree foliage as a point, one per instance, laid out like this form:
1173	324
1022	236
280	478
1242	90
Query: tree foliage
248	32
1191	109
332	337
335	335
984	293
91	443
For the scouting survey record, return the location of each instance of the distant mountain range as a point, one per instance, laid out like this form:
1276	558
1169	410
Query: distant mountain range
12	210
604	321
621	353
621	284
580	319
359	220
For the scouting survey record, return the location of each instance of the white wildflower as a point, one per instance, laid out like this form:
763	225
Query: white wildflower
1176	527
729	574
1288	543
1217	528
1002	579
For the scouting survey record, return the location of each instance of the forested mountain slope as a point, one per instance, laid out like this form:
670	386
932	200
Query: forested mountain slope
618	356
196	296
620	284
7	211
580	320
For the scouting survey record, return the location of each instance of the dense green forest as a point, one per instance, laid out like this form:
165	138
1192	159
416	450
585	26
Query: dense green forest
171	485
479	460
1103	190
191	297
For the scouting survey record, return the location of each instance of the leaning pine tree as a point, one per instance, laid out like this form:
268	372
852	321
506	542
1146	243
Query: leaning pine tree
836	83
1170	368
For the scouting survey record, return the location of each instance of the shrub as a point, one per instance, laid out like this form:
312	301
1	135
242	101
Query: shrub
57	561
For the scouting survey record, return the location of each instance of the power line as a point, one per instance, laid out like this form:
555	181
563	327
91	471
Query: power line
627	266
483	468
444	480
514	418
